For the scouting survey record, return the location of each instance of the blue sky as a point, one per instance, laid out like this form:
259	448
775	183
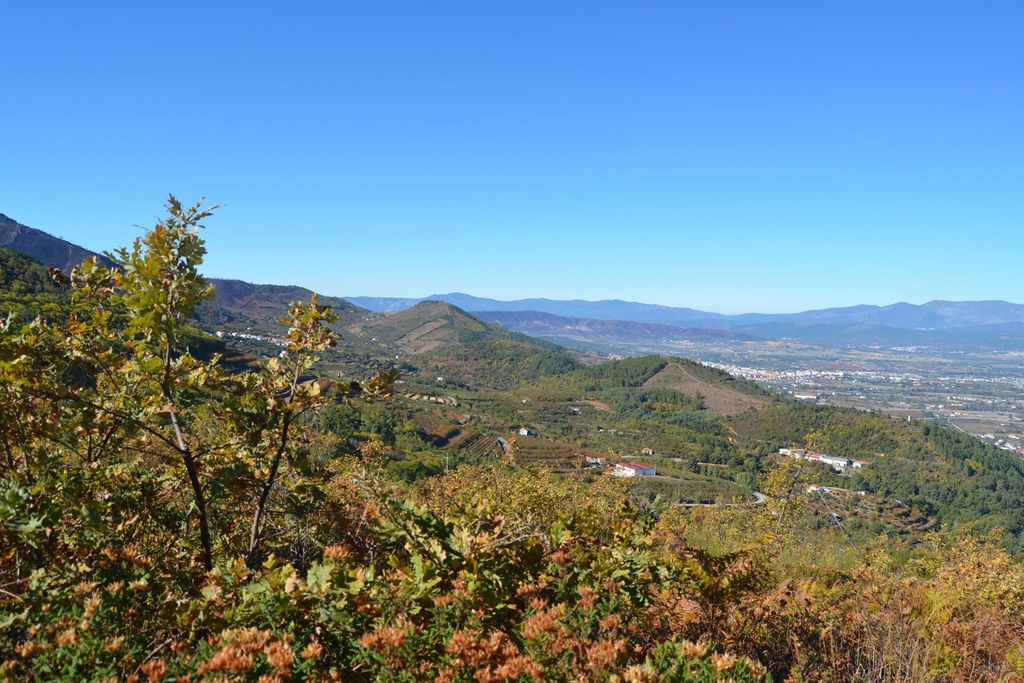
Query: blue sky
725	156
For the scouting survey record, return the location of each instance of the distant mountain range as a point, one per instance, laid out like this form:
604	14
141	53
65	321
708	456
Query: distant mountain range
605	334
577	308
934	315
579	321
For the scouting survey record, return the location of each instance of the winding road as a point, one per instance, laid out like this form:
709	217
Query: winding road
759	499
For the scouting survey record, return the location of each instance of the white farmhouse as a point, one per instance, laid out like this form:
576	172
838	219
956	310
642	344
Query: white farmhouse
633	469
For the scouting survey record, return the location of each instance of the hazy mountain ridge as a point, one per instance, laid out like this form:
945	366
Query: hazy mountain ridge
936	314
620	326
932	315
609	309
604	334
995	336
242	304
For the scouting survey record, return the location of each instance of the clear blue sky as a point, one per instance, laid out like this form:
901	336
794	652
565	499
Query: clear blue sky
725	156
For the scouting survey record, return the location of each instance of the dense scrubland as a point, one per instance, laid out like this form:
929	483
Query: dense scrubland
166	515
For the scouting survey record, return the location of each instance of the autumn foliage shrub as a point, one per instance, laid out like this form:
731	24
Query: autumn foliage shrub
468	597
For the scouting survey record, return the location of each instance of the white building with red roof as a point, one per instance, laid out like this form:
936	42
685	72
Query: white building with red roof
633	469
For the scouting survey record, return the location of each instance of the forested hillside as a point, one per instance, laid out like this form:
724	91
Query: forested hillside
26	287
261	307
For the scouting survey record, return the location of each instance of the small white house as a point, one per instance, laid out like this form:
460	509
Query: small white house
633	469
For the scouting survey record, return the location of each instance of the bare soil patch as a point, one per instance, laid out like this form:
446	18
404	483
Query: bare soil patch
718	397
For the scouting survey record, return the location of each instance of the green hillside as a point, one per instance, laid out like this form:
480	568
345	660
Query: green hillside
435	339
26	288
951	477
422	328
618	409
244	307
